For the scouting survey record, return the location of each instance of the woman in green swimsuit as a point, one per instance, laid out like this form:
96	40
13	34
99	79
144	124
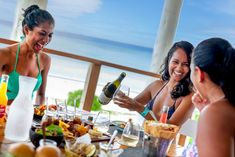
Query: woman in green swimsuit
27	58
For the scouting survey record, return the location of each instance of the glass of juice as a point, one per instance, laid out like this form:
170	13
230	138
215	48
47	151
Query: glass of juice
164	114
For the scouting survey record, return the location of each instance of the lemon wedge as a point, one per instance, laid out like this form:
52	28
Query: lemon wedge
90	150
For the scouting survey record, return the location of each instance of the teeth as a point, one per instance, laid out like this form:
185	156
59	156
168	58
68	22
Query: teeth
41	45
38	46
177	73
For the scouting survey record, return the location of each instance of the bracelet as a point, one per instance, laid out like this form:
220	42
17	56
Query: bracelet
145	112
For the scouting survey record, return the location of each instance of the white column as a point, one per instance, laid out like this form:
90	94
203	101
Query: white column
23	4
166	32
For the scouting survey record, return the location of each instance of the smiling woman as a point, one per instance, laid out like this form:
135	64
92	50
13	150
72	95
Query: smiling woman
173	90
27	58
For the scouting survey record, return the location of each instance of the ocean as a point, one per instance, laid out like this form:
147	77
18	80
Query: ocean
68	74
130	55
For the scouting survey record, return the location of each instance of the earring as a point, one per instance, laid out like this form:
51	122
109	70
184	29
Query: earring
22	38
202	76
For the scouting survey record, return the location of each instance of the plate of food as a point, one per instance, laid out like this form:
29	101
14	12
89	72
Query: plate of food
120	125
76	128
39	111
97	136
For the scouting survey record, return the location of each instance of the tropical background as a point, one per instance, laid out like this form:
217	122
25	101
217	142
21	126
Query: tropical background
122	32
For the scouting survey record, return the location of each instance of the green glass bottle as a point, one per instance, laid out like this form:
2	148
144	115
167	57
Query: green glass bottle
108	91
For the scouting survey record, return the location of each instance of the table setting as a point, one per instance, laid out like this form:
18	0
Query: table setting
81	133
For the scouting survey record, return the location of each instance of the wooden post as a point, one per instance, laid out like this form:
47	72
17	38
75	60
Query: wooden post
90	86
166	32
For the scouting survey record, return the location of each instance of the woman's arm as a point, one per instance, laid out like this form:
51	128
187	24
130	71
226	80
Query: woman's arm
214	132
40	99
137	104
183	111
4	59
145	95
198	101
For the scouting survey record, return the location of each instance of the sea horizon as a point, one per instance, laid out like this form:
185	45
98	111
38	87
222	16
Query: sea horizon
67	74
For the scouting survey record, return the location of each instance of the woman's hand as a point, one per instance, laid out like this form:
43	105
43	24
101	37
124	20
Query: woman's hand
128	103
198	101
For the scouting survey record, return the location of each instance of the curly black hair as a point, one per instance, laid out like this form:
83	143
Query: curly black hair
184	86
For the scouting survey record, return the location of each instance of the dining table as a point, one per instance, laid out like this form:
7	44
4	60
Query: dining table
174	151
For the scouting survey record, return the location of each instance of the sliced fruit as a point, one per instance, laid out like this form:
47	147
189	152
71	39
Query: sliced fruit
90	150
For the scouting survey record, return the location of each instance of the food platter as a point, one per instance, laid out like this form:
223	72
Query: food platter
104	137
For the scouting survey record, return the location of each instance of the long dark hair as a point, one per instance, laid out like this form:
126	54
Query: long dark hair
183	88
216	57
34	16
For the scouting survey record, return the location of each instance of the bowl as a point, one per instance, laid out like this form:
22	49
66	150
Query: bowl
88	150
35	137
69	153
38	112
37	117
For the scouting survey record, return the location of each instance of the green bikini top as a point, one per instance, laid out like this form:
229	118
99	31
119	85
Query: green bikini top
13	82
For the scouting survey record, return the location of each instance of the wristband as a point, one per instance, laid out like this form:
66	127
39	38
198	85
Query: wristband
145	112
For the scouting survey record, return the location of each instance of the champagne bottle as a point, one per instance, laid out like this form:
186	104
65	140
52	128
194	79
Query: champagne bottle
108	91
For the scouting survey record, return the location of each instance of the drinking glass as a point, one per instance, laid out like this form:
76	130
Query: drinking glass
51	108
78	111
47	142
121	91
164	114
50	113
130	134
70	113
61	108
102	121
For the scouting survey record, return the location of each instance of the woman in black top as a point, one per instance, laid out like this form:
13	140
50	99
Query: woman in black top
173	89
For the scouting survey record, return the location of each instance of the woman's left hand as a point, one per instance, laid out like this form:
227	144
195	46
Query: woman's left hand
198	101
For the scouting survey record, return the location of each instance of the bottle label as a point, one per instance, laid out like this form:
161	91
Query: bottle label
103	99
2	110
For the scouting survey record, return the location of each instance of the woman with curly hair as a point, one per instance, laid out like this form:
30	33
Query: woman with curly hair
172	90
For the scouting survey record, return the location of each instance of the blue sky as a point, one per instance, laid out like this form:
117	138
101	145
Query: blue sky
136	21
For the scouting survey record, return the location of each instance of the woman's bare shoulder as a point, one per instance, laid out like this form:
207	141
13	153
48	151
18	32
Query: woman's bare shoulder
217	119
220	113
219	107
156	84
8	51
45	59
